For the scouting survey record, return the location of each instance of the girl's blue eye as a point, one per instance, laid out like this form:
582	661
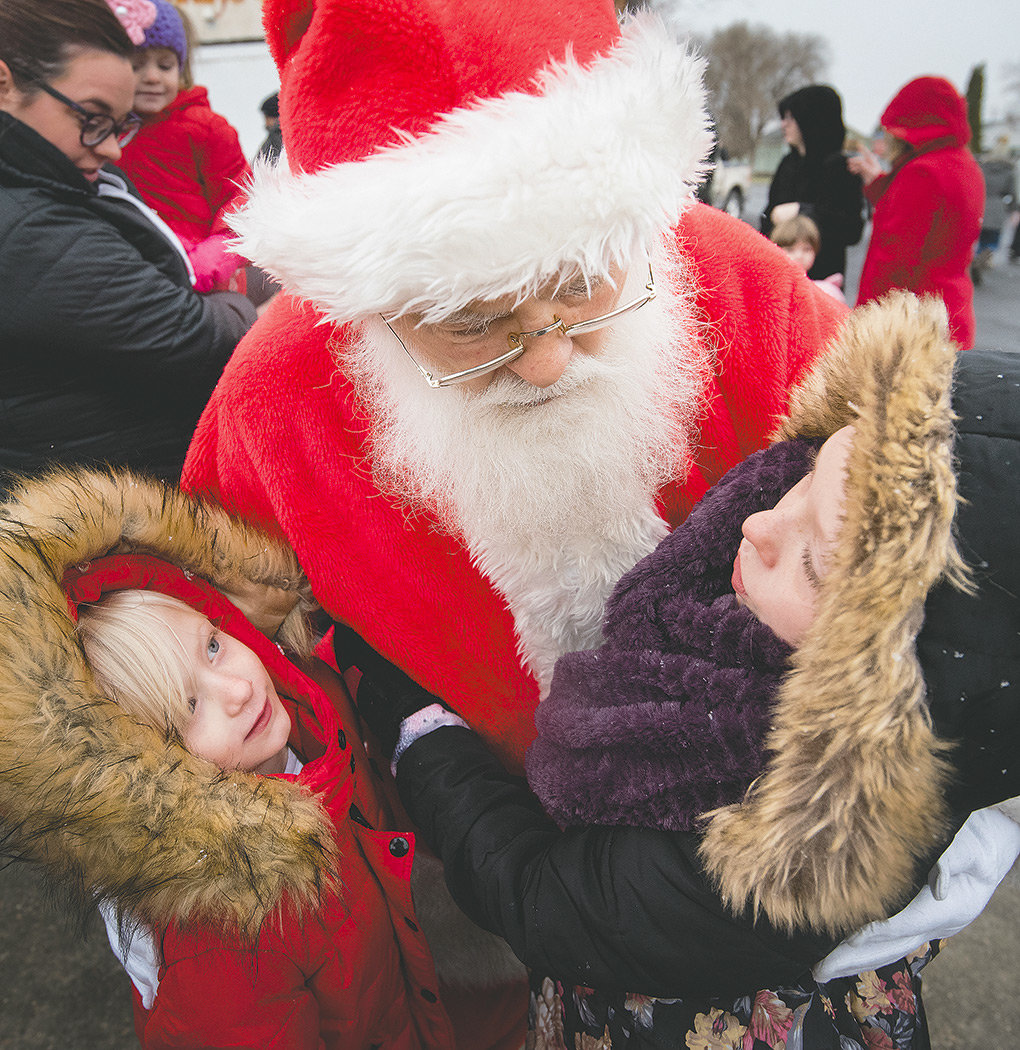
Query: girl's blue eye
213	646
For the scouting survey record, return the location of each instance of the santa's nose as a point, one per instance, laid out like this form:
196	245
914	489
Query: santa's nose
545	359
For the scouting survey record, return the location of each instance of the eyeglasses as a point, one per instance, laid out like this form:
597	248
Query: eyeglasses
516	340
97	127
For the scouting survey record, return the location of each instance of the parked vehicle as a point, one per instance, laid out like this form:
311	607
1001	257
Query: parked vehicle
728	184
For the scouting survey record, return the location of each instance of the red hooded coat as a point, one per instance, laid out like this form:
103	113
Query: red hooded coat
187	164
928	208
355	973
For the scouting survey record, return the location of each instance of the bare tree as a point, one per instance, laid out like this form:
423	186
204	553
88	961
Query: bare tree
750	68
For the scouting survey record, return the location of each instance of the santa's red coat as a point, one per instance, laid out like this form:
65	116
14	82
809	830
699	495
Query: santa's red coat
281	443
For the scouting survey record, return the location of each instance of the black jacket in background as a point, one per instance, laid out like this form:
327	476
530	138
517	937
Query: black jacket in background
106	352
828	193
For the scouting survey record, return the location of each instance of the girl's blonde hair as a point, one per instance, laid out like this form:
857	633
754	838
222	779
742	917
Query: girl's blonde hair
794	231
136	657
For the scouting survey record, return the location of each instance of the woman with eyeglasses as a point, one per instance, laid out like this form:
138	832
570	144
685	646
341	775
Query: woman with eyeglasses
107	351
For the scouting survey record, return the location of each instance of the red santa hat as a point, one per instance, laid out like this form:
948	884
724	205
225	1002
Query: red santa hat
441	151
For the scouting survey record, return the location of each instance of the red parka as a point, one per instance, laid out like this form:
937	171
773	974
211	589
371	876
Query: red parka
187	163
281	905
928	208
354	970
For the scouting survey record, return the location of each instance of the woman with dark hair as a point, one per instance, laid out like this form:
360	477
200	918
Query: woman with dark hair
813	179
108	352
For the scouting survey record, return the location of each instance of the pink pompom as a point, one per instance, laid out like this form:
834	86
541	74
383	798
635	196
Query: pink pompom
135	16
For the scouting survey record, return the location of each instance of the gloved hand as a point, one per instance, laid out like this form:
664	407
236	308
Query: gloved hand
214	263
386	695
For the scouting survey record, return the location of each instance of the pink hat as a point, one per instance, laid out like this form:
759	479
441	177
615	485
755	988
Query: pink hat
440	151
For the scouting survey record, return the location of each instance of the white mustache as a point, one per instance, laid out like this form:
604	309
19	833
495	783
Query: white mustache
510	391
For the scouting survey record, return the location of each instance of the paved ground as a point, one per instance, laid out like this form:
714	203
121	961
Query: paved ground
60	991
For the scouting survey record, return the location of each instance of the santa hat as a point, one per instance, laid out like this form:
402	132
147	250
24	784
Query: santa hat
442	151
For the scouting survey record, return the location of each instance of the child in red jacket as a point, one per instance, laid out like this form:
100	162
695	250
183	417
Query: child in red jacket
195	771
186	160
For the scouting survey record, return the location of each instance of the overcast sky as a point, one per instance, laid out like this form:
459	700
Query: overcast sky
876	46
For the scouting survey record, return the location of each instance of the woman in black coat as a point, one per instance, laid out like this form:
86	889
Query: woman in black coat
813	180
107	352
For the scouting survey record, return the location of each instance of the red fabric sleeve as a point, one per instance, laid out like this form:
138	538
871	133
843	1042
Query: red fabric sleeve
900	252
224	169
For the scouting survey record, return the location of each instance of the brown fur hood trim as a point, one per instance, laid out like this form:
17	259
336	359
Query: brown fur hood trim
104	803
852	796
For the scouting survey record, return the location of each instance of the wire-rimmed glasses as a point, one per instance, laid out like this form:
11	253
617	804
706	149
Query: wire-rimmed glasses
516	340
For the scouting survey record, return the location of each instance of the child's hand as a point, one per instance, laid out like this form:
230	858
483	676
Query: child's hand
782	212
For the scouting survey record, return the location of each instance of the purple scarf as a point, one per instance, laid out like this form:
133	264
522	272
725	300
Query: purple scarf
667	719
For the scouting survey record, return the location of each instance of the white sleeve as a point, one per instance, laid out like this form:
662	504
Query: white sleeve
959	886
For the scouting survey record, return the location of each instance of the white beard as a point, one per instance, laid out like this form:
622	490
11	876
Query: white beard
552	490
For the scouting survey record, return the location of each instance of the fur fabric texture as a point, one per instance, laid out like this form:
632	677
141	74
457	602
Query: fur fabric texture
101	801
535	169
668	717
853	793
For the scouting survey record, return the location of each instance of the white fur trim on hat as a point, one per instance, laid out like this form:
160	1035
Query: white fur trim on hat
497	198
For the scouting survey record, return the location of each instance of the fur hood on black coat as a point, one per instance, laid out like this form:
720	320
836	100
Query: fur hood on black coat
105	804
858	786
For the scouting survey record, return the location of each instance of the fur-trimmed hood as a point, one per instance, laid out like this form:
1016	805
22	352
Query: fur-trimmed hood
853	795
102	802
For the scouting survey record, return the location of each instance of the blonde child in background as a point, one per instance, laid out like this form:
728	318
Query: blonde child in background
186	160
800	239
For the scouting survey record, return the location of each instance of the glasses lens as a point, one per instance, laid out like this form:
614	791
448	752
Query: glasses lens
128	129
96	128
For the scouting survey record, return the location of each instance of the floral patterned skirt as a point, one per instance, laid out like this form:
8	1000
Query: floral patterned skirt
877	1010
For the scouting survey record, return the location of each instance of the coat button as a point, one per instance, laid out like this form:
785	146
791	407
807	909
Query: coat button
429	997
399	846
341	739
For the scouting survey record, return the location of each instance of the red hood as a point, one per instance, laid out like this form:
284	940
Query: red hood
926	109
87	583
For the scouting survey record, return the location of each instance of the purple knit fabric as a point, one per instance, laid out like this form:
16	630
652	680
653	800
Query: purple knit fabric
667	719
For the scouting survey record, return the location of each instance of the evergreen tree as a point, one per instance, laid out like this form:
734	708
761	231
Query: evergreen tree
975	94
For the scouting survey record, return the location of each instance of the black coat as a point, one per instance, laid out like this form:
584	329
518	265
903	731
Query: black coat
106	351
969	646
613	908
819	181
828	194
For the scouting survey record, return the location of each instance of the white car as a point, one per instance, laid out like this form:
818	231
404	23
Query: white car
730	185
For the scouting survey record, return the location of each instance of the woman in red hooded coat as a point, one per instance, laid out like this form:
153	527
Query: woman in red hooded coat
928	207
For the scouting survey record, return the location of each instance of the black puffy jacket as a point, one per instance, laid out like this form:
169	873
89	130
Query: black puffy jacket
106	351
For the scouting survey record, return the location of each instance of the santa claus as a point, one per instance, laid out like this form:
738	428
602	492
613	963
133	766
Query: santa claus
511	352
